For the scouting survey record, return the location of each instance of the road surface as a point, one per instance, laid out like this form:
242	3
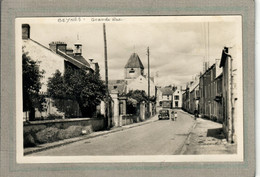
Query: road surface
162	137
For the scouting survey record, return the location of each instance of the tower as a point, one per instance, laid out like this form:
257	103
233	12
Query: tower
134	67
77	49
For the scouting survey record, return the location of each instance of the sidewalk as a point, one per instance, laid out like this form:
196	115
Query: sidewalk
46	146
207	138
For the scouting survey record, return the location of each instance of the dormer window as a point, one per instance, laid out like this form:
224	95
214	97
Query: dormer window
132	70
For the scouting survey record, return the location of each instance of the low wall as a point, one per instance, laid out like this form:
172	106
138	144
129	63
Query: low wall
38	132
129	119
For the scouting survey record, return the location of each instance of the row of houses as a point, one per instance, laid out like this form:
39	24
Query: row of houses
213	94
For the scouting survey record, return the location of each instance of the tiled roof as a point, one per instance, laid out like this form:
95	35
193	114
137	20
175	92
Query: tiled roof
134	62
78	61
166	91
119	85
79	58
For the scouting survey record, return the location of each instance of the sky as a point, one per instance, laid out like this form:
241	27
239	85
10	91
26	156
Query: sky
178	45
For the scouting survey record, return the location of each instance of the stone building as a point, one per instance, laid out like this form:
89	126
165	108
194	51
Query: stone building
194	95
134	79
56	57
210	104
133	68
177	97
141	83
186	98
230	84
134	76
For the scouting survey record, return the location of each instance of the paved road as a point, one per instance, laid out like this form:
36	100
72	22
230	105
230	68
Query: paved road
164	137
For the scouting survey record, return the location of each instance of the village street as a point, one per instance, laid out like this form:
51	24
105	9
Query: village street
162	137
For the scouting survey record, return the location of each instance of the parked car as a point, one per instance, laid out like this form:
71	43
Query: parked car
164	114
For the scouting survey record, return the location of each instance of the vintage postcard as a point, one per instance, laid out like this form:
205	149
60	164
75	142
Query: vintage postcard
129	89
136	88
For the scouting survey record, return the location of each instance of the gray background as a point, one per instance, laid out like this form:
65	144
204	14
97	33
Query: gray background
29	8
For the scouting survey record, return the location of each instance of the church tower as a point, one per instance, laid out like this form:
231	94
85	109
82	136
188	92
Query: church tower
134	67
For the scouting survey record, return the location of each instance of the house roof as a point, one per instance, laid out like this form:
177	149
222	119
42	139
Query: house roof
78	61
208	70
79	58
166	91
224	56
134	62
119	85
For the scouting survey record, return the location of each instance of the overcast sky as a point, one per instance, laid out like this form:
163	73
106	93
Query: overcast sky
177	47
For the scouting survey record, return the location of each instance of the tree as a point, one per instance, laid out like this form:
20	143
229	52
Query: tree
56	86
138	95
85	87
135	97
31	85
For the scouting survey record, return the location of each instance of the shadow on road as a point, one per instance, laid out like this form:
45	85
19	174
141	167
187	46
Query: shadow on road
215	133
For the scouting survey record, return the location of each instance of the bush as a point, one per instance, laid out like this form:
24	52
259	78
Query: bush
28	141
88	129
70	132
47	135
52	134
53	117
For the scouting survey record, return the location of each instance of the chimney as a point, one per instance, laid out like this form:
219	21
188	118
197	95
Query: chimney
55	46
69	51
94	65
78	49
25	31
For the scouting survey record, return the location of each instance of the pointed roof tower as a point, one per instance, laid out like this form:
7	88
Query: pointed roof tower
134	62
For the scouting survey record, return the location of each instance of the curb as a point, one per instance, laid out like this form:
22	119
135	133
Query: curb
88	137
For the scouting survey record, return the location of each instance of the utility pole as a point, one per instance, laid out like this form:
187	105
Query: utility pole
148	55
107	109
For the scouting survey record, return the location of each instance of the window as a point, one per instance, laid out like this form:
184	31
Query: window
176	97
132	70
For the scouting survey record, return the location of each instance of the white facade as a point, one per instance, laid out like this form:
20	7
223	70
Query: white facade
48	60
159	96
166	97
177	98
141	83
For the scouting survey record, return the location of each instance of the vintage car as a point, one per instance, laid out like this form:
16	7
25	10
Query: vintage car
164	114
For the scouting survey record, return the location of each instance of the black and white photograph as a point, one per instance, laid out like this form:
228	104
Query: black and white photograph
129	89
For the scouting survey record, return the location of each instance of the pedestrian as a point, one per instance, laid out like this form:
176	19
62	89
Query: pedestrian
172	115
175	115
196	114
